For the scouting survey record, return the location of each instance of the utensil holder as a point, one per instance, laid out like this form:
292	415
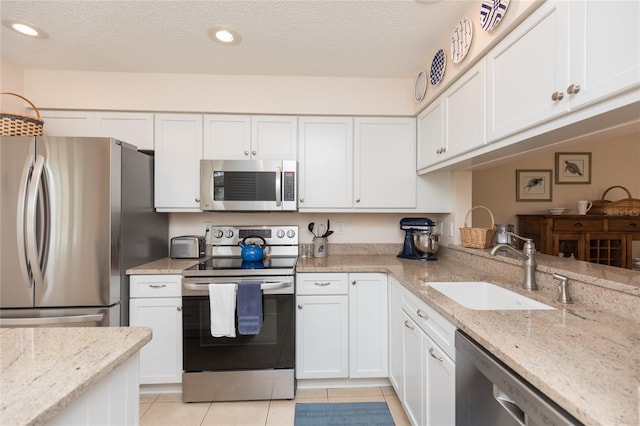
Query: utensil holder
320	247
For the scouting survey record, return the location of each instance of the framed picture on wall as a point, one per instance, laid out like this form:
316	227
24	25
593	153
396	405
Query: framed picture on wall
533	185
573	167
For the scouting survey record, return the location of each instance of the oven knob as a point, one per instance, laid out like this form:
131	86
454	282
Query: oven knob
229	233
217	233
280	233
291	233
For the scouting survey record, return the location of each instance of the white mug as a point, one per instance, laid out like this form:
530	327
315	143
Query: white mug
583	206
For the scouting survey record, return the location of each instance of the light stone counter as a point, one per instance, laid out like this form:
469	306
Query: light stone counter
164	266
45	369
584	356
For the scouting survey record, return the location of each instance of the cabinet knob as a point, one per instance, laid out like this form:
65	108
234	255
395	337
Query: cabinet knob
353	282
557	96
302	200
357	200
573	89
179	308
299	306
197	200
253	152
246	153
577	225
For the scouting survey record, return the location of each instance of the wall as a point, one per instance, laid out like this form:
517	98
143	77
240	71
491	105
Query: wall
11	80
614	162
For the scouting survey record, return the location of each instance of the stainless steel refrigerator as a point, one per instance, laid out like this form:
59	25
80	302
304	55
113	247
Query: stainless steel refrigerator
75	213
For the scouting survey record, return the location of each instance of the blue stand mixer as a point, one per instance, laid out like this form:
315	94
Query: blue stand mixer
420	238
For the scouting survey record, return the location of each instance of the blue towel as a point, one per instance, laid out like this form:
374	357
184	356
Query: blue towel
249	307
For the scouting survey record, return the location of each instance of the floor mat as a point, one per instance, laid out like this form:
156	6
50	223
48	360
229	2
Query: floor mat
349	413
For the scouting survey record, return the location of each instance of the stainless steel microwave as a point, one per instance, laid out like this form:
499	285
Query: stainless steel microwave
248	185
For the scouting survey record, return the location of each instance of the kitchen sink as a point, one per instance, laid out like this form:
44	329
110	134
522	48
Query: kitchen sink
484	296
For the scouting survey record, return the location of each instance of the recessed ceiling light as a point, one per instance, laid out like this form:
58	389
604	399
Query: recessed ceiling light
224	35
25	29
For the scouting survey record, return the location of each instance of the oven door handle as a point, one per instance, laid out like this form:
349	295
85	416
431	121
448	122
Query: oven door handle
264	286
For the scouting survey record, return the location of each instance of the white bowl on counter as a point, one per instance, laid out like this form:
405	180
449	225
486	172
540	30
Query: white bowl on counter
557	210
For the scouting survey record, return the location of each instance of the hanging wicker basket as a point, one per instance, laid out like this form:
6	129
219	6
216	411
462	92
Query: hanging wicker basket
625	207
16	124
477	237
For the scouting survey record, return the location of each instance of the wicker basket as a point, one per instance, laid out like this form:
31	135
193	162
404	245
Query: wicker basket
625	207
477	237
16	124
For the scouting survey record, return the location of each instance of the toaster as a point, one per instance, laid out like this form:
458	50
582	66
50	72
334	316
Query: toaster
187	247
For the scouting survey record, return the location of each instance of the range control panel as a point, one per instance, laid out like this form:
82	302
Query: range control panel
273	235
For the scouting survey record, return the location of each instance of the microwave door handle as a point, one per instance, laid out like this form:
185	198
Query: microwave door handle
278	186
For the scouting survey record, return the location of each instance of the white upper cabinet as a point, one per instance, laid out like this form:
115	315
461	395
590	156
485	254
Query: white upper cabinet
274	137
67	123
325	162
384	163
244	137
431	143
527	73
135	128
605	50
226	137
178	143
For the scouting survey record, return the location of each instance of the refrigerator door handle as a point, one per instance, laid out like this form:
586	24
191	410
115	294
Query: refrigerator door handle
30	322
21	230
30	219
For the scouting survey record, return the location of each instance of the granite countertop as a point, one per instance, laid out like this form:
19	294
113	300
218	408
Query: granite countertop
584	356
45	369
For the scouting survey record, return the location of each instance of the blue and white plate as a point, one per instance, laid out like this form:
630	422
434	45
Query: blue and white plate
461	40
437	67
492	12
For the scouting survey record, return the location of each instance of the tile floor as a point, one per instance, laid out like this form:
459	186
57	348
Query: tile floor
168	409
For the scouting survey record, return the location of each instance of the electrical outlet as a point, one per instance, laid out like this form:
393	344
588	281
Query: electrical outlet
340	228
207	226
450	230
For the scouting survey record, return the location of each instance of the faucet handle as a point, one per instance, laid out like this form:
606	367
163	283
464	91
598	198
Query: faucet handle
563	296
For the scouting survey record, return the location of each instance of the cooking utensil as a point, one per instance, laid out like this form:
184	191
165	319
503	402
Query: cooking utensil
321	231
328	233
310	228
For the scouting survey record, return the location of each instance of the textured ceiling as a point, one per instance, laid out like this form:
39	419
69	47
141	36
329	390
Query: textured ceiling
360	38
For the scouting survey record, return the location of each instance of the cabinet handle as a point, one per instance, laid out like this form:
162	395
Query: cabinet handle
157	285
409	325
299	306
421	314
246	153
633	225
353	282
439	358
254	152
322	284
573	89
179	308
357	200
578	225
557	96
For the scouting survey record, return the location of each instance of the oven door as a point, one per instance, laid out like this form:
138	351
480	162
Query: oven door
273	348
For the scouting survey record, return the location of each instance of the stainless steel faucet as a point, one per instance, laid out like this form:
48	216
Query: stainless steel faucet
529	262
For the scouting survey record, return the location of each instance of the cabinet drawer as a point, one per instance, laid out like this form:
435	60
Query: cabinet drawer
437	327
155	286
578	225
322	283
624	225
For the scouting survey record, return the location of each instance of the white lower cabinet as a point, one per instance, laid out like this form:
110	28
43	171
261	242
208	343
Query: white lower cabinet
156	303
341	326
425	380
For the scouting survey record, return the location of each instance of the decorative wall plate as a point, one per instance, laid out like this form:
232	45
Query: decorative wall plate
492	12
437	67
461	40
421	86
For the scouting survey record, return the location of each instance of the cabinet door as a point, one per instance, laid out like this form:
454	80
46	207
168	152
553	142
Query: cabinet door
322	345
440	403
274	137
226	137
525	69
568	245
605	54
413	371
161	358
396	330
384	158
607	248
431	142
135	128
325	162
368	325
464	112
178	150
68	123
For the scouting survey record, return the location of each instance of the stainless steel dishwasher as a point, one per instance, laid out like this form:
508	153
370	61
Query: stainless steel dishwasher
490	393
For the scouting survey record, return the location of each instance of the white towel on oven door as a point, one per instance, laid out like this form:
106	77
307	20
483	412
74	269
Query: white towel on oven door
222	302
